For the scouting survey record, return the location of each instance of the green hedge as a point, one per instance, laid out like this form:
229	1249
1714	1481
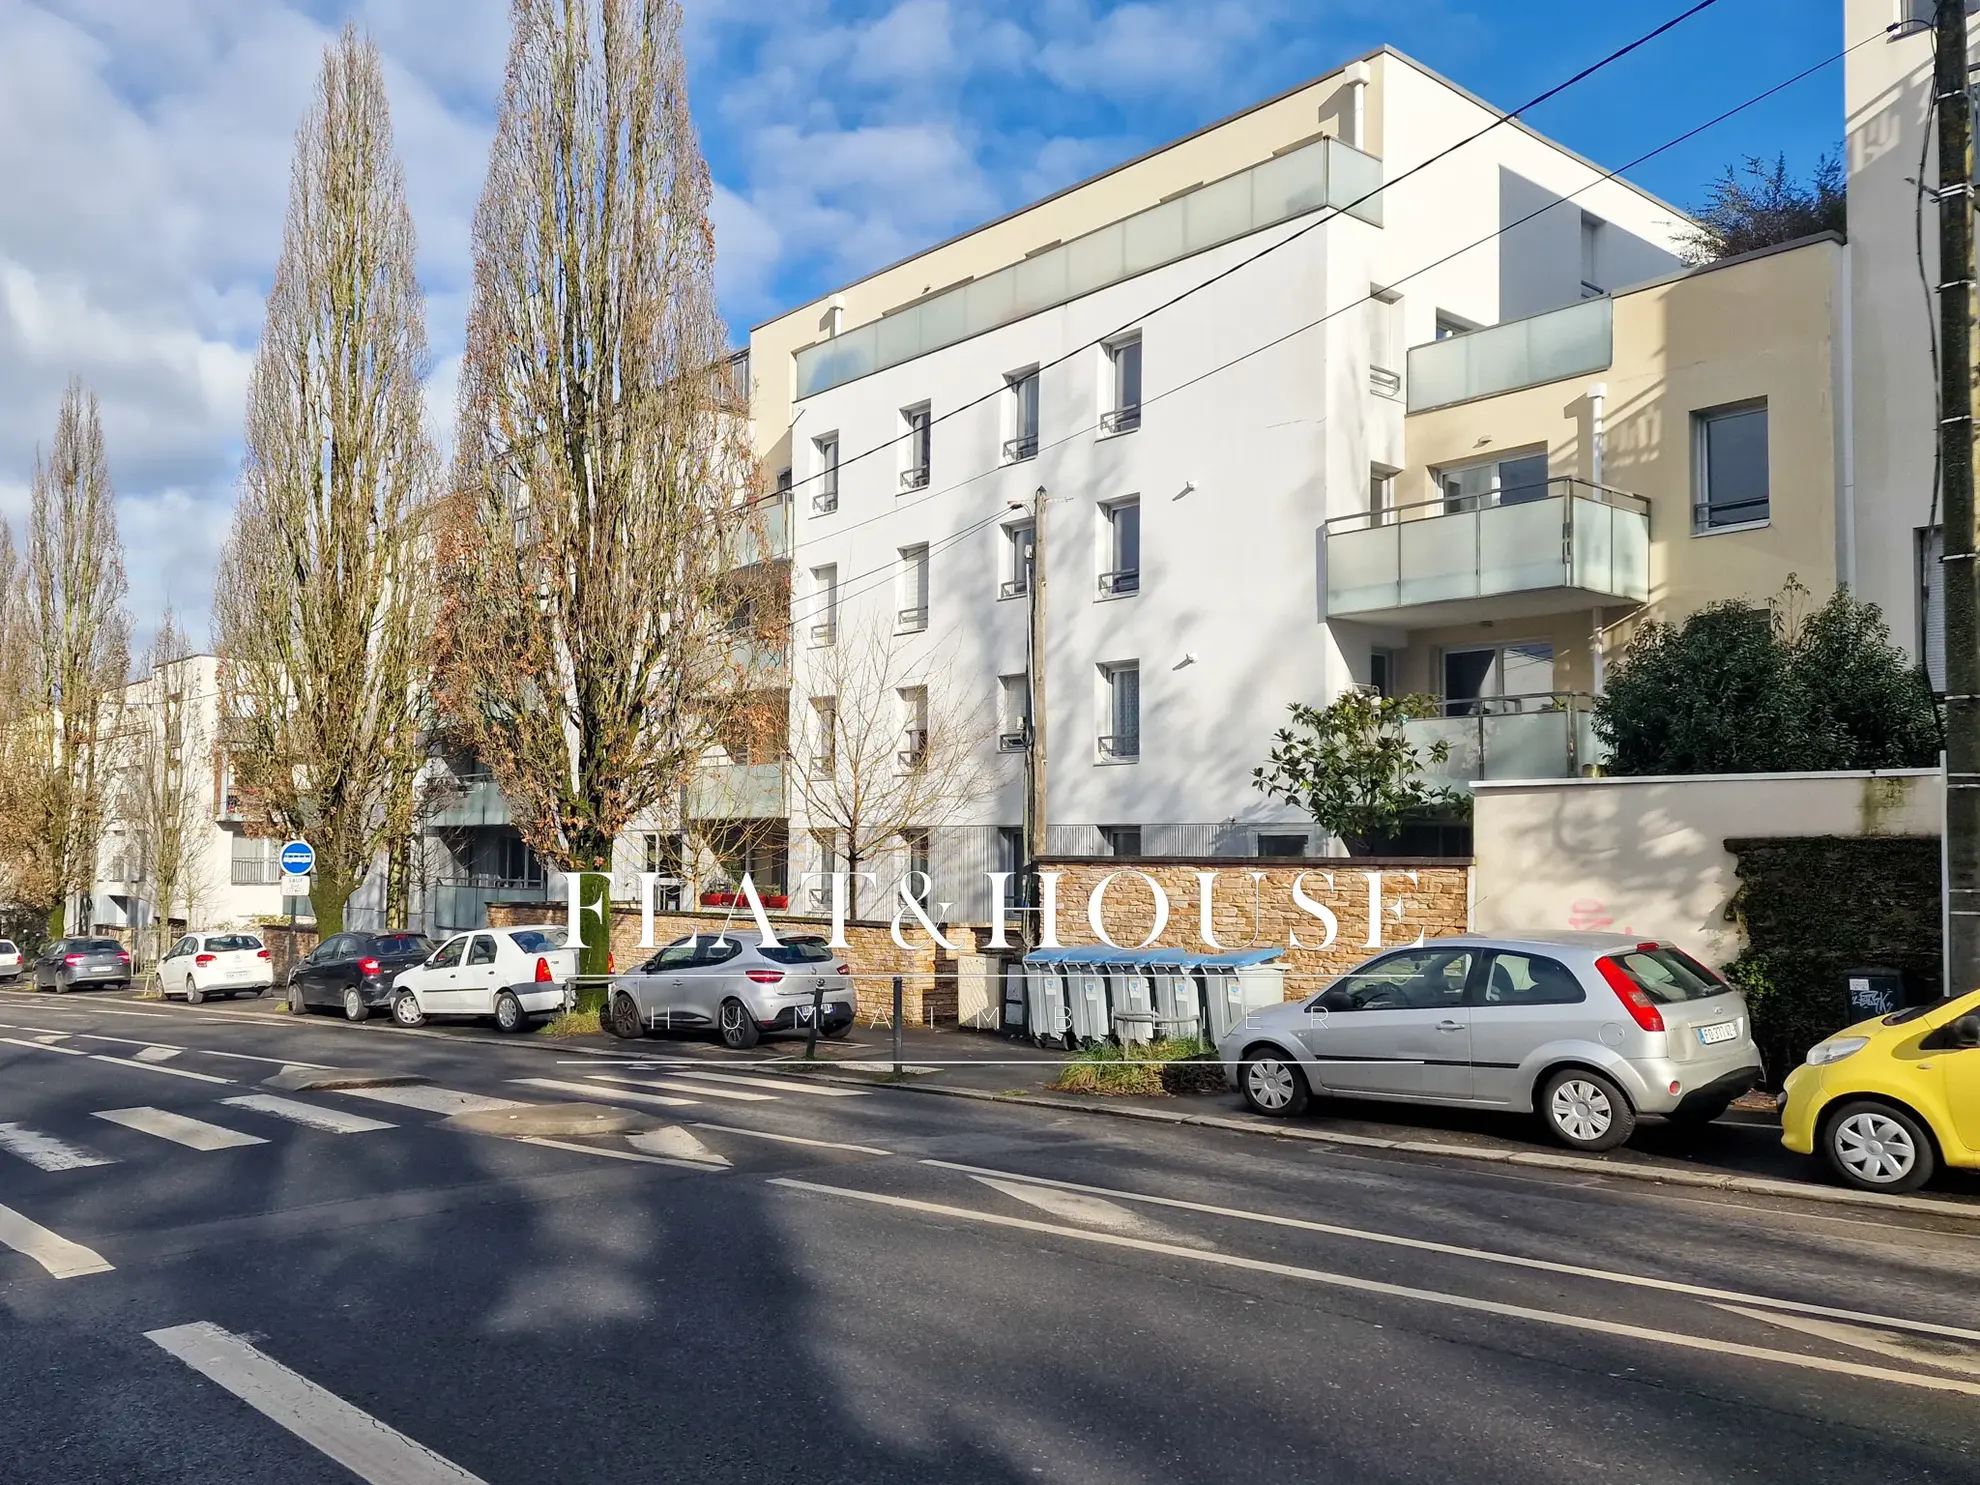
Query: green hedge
1816	907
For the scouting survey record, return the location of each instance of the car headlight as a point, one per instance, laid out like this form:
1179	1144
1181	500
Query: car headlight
1835	1049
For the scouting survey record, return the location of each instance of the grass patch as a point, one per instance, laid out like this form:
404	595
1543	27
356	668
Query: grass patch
1147	1070
572	1023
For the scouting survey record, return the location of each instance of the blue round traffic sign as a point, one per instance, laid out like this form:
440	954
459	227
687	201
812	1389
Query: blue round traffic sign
298	856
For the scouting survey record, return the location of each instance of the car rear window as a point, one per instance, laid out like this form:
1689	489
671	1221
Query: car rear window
537	940
402	943
228	942
100	946
797	951
1668	976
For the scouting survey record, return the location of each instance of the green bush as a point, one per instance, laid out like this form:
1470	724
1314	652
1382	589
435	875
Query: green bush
1147	1069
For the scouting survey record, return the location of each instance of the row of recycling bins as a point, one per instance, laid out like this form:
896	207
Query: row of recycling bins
1071	997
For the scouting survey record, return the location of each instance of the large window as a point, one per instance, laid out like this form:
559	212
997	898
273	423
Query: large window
1121	573
1490	679
1121	742
1729	463
1122	840
1124	366
1495	482
1022	390
825	604
825	736
1020	551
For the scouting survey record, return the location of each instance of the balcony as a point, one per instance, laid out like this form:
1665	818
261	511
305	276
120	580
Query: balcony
1548	736
1124	747
1543	348
764	534
915	478
737	791
1569	545
914	756
478	802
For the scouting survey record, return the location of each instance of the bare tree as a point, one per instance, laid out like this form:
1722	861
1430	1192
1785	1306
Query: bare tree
78	643
891	746
324	608
165	794
25	745
603	477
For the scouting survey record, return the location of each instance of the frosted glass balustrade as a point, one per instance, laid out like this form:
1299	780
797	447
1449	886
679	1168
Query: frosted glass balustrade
1520	353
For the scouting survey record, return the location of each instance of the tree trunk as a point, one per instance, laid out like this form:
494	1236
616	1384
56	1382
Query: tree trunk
593	853
56	914
328	892
852	887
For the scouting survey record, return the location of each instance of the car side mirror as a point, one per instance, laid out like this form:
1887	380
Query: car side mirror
1335	999
1966	1031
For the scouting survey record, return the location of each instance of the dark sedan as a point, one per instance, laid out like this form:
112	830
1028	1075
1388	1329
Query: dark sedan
353	972
71	962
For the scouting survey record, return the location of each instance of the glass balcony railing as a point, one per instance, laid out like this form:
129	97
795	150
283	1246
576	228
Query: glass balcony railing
764	534
474	799
1567	545
737	791
1520	353
1324	173
1548	736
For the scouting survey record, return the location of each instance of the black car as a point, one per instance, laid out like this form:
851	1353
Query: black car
353	971
69	962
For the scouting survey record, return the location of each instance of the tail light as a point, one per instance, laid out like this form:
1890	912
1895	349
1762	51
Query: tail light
765	976
543	976
72	959
202	960
367	966
611	962
843	969
261	954
124	956
1636	1000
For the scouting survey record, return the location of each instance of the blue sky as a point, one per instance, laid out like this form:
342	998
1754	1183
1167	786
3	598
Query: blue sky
145	145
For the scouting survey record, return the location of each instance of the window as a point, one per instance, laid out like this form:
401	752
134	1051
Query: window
1282	845
783	484
1020	551
661	853
482	950
1528	979
920	863
825	751
1591	253
1669	976
1449	325
449	956
914	727
1124	365
1381	494
798	951
825	497
825	849
1121	743
1495	679
913	611
1382	671
1730	466
1013	712
914	476
538	940
1123	557
1010	858
1022	392
825	596
1932	605
1388	342
1497	482
1122	840
1416	979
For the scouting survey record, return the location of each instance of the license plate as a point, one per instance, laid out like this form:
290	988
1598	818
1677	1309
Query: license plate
1725	1031
804	1015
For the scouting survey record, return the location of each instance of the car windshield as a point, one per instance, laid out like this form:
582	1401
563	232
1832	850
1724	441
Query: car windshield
537	940
1668	976
232	942
797	951
403	943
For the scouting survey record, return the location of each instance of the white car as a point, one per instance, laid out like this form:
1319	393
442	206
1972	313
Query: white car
203	964
510	974
11	962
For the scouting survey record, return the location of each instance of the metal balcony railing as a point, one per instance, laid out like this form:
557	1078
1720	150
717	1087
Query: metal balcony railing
908	620
1024	446
256	873
1121	419
824	634
915	754
916	478
1716	515
1015	587
1119	746
1120	583
1014	742
825	501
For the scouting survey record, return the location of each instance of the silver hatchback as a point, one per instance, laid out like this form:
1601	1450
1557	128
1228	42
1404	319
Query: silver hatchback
1586	1029
735	984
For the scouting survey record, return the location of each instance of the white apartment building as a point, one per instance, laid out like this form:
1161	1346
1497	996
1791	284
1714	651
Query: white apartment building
1200	357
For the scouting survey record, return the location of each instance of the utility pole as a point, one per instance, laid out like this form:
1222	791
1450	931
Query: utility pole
1034	758
1953	106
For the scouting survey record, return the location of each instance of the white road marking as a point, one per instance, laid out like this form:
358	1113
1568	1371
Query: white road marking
703	1090
83	1008
558	1085
1482	1255
44	1151
195	1134
1071	1205
432	1100
62	1258
53	1037
1868	1340
157	1054
790	1139
1678	1339
14	1041
335	1121
677	1143
550	1144
372	1450
782	1085
177	1072
168	1048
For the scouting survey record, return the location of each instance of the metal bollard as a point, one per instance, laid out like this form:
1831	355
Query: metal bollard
897	1026
817	1010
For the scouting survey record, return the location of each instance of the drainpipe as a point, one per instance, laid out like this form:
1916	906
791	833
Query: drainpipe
835	316
1598	396
1357	75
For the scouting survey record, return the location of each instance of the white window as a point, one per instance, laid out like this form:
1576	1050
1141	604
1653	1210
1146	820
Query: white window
1591	256
915	447
1121	687
1495	482
912	612
825	604
1120	573
825	489
1388	343
1123	414
825	736
1381	494
1020	551
914	726
1013	712
1021	397
1729	466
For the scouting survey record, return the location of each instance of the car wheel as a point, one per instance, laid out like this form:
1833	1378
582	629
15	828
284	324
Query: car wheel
1585	1111
622	1018
739	1029
1272	1084
406	1011
1879	1147
509	1013
194	995
354	1007
839	1033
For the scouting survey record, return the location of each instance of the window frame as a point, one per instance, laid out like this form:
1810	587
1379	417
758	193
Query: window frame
825	499
1115	579
912	589
1018	558
1107	745
918	446
1702	419
1482	981
1120	415
1022	388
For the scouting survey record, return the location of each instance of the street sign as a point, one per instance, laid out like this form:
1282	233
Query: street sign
295	886
298	856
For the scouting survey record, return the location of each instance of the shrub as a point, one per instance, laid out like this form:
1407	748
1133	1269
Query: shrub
1147	1069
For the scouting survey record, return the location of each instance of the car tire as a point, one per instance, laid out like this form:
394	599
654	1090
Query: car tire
194	995
509	1012
738	1026
621	1018
1273	1084
406	1011
1585	1110
1879	1146
839	1033
354	1007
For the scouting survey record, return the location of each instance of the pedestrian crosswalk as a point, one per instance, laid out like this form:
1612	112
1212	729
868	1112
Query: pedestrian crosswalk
46	1150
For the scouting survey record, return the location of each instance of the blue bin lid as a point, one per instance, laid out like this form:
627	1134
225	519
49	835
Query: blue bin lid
1151	958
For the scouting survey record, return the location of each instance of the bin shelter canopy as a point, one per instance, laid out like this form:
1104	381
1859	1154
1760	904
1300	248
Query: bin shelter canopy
1157	958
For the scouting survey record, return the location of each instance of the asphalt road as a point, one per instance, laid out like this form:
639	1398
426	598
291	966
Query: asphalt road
785	1283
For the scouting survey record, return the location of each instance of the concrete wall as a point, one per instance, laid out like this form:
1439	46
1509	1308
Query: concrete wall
1648	856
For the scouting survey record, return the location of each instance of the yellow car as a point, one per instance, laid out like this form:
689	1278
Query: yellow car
1887	1101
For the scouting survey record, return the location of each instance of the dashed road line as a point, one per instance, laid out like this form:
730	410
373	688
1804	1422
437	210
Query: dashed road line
195	1134
177	1072
62	1258
45	1152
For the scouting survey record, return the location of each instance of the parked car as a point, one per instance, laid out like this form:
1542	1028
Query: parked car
354	971
1889	1100
510	974
227	964
1588	1030
11	962
736	984
70	962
